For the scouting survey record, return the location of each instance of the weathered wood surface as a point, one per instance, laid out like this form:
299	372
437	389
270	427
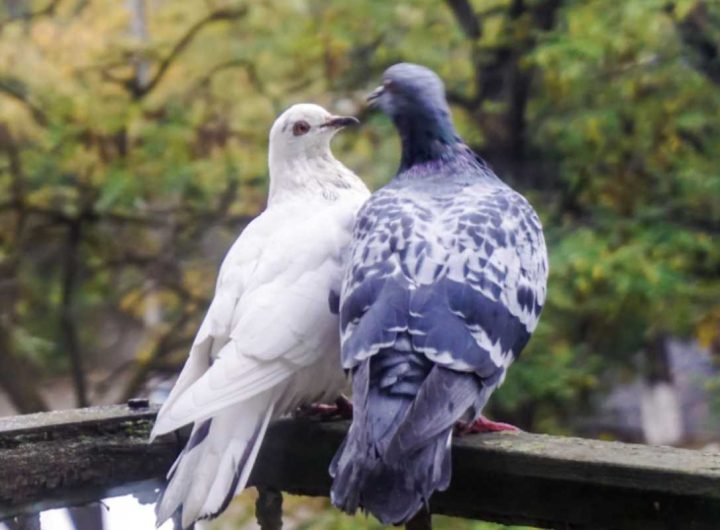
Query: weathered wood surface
72	457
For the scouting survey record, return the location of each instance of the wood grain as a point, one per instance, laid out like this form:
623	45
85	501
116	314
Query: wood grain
78	456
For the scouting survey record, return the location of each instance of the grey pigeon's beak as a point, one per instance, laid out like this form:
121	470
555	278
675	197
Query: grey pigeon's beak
375	94
336	122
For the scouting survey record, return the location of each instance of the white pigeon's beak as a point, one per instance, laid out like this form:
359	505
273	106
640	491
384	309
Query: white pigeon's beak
375	94
338	122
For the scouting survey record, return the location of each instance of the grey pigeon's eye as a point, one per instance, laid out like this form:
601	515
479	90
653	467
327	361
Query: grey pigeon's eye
300	127
389	85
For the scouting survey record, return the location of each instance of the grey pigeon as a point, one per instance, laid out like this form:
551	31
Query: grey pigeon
443	287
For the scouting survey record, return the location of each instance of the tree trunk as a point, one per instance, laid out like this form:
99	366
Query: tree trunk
16	378
69	342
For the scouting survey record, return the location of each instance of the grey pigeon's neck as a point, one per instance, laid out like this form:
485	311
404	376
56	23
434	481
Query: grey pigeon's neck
458	164
426	134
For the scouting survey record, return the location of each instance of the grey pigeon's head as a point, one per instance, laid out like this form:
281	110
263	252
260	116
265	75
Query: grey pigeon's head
304	130
408	87
414	97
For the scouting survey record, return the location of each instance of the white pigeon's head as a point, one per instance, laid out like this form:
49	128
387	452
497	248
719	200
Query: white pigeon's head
305	130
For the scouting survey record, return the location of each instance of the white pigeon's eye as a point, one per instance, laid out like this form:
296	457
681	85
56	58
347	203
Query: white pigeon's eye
300	127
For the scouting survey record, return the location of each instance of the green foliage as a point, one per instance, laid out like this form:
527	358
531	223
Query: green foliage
632	127
153	144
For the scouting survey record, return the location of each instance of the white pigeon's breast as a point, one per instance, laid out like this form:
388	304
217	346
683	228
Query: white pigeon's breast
291	253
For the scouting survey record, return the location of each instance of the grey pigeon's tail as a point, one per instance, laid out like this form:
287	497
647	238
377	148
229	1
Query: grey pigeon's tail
397	452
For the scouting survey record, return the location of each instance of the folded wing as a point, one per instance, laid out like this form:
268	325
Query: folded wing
270	315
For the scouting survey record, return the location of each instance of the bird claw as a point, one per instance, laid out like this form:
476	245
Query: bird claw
341	409
483	425
321	411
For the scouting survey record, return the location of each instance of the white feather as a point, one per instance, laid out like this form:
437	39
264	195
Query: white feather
269	341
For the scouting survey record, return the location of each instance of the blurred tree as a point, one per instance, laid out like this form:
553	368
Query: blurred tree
132	151
102	188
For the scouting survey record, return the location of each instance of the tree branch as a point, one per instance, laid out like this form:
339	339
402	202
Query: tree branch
466	18
223	14
48	10
68	329
15	376
17	90
696	33
17	186
247	65
156	218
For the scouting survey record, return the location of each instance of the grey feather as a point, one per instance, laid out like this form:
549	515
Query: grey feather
445	283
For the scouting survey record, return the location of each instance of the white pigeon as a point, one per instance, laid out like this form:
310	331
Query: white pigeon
270	340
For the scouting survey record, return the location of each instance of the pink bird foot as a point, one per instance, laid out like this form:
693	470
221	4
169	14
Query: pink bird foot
482	424
341	409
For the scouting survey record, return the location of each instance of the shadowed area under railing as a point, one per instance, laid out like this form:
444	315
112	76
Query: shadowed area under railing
72	457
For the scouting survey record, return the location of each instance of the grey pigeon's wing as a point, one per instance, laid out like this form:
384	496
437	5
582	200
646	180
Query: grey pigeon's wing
461	269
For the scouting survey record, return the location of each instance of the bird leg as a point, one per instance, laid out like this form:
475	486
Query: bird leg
482	424
268	509
342	408
422	520
345	407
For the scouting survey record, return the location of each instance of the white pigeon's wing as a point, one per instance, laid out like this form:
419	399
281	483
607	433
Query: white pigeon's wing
216	327
283	319
460	270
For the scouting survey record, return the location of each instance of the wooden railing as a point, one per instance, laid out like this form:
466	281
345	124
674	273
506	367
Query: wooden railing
75	457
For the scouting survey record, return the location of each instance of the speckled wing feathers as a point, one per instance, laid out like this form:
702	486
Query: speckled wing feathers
461	267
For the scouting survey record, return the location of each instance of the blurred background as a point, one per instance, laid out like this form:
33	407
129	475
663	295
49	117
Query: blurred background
133	141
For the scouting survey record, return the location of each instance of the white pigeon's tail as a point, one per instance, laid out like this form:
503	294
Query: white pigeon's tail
216	462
